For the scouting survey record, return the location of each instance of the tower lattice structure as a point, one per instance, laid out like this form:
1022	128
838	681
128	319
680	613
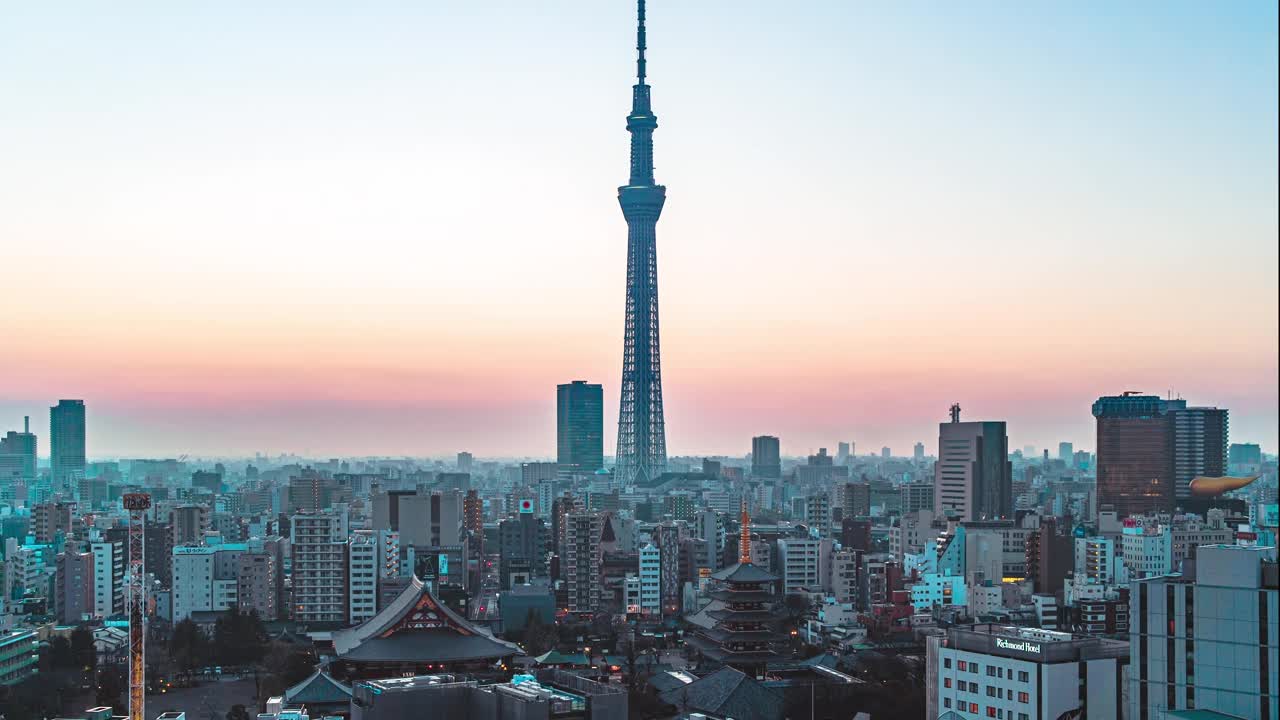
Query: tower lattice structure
642	441
136	601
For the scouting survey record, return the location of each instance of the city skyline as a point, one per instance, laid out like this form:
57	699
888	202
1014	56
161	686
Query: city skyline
1115	230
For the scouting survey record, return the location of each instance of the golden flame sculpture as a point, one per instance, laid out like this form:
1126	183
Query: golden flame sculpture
1214	486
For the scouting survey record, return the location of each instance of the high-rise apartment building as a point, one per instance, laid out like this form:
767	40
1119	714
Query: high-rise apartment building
67	444
917	452
319	544
766	458
108	578
668	538
1066	452
856	499
48	519
973	478
915	496
362	576
582	561
17	458
313	491
817	513
1244	457
650	580
1207	646
189	523
257	585
844	575
1199	445
73	587
465	461
522	549
580	426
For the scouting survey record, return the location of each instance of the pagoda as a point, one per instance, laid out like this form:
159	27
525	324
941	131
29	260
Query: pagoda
747	615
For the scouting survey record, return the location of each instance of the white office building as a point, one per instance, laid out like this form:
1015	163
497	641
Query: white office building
805	564
205	578
941	590
1012	673
1148	551
1206	647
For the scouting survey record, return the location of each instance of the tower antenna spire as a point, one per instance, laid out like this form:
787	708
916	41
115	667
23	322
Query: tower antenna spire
640	42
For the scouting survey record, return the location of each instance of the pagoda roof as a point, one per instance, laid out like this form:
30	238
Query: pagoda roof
416	627
727	615
722	634
745	573
743	596
319	689
727	692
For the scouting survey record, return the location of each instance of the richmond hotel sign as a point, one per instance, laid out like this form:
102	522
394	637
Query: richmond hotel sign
1018	645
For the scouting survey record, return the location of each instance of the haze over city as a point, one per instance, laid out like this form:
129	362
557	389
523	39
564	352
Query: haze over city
391	230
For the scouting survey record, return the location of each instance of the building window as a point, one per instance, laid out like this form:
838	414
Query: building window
946	663
1024	676
946	682
1024	697
963	666
991	712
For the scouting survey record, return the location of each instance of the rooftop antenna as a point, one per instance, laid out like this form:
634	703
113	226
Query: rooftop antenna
955	412
640	43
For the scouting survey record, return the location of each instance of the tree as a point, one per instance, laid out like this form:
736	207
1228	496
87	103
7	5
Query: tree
111	686
239	638
538	636
83	652
237	712
60	655
188	646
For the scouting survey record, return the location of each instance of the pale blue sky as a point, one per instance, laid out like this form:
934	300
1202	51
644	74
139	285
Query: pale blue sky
1018	206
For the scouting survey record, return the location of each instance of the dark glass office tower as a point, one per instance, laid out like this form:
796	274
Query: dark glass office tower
66	444
766	458
580	426
1135	454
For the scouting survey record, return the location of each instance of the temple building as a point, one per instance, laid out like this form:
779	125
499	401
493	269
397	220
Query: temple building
745	631
416	634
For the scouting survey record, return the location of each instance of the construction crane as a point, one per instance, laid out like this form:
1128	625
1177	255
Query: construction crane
135	586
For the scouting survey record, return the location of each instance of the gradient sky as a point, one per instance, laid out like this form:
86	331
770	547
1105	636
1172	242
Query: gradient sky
392	227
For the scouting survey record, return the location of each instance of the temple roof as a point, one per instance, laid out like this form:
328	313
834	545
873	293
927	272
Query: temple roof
429	646
555	657
745	573
727	692
416	627
318	689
